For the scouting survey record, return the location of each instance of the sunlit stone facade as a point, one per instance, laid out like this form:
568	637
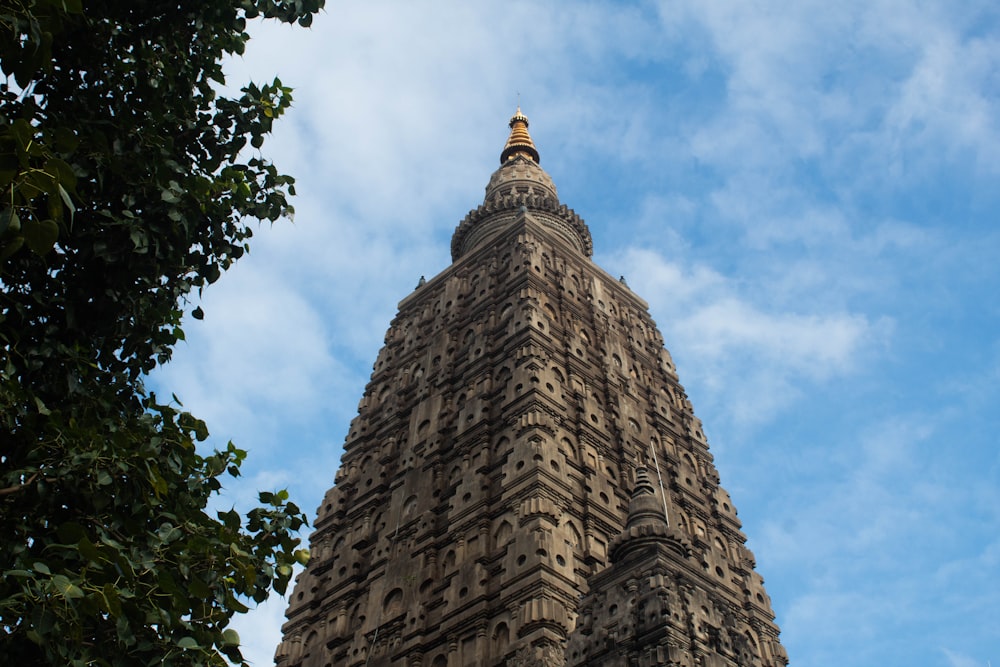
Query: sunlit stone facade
526	482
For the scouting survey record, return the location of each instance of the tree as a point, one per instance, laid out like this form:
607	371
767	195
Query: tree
126	183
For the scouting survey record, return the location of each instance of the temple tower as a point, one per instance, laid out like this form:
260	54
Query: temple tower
526	482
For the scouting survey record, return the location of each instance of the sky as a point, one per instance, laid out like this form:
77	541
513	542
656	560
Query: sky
805	193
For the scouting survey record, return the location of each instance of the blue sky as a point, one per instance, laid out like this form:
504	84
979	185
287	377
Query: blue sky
807	195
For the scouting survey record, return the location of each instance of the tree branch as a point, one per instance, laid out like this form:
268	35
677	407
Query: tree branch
18	487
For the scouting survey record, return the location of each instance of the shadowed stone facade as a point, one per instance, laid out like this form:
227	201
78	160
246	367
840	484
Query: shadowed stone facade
493	505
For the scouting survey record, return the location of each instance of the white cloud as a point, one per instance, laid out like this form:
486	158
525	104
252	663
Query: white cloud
870	98
261	345
949	101
752	358
956	659
815	346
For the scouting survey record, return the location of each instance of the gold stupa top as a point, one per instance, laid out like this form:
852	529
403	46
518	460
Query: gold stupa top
519	142
520	193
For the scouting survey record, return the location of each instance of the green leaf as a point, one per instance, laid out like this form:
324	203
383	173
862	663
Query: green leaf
9	221
111	600
238	606
67	202
41	235
230	637
130	200
89	550
166	582
66	588
231	519
168	533
199	588
198	313
200	431
23	132
61	173
157	482
11	247
70	532
65	140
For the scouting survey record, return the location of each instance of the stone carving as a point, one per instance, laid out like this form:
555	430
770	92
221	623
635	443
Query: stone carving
549	655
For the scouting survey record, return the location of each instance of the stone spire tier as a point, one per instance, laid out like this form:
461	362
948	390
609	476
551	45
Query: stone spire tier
520	186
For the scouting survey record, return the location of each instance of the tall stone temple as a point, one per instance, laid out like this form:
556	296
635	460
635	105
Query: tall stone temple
526	483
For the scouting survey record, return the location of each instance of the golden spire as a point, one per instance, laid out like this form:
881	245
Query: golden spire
519	142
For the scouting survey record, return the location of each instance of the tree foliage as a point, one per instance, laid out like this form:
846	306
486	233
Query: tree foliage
126	183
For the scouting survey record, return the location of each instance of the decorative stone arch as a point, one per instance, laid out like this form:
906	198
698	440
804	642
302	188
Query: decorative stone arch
550	312
357	618
506	312
500	638
392	604
569	448
502	535
721	547
501	447
573	536
310	645
409	506
501	377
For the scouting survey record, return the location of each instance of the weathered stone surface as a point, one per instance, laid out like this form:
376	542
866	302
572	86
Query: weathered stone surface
490	509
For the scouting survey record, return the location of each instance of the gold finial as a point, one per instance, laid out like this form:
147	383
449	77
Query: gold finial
519	142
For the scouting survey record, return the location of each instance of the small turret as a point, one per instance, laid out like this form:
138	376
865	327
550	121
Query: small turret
646	523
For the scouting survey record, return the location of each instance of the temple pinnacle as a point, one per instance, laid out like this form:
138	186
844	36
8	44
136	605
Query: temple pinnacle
519	142
643	508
